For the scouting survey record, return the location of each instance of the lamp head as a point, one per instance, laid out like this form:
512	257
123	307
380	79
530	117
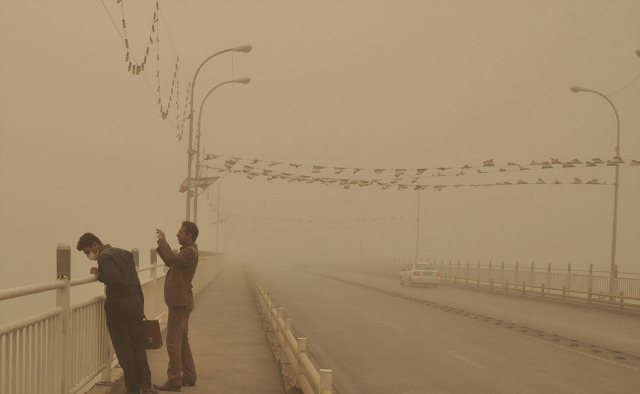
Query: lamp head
243	48
577	89
244	80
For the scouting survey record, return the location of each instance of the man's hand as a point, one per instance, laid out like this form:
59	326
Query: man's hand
94	271
160	234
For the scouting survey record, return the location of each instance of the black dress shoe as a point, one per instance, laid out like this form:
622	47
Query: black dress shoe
168	387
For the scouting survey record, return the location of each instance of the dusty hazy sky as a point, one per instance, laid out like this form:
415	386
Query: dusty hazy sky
352	83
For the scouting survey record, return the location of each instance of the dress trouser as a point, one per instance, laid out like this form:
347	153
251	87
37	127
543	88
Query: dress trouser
124	321
181	366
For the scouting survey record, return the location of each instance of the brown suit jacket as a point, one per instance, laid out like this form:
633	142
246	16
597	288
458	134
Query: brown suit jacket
182	268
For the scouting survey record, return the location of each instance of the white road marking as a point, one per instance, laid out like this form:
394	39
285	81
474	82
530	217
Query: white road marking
463	358
588	354
567	348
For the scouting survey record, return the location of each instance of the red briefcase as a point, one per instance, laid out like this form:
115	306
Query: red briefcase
152	334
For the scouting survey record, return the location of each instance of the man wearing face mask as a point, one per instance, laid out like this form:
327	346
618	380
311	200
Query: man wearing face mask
124	309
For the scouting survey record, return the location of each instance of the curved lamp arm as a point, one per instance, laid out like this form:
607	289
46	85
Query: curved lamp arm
578	89
242	48
239	80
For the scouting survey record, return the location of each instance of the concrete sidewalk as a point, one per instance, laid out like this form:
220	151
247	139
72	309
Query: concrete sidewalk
229	346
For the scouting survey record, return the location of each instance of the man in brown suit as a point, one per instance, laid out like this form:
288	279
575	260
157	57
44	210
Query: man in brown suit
179	298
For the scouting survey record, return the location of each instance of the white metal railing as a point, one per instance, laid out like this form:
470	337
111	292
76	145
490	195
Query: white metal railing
291	352
621	289
65	348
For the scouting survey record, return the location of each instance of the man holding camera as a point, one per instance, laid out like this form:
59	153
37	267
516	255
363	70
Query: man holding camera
179	299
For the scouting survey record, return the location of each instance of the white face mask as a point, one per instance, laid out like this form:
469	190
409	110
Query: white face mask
91	256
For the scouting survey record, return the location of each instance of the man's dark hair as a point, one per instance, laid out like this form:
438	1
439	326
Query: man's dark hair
88	239
191	228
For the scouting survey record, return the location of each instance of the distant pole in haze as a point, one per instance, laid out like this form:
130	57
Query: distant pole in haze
361	235
190	150
617	159
197	152
418	229
218	214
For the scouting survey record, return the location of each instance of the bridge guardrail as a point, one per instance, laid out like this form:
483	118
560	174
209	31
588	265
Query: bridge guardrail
63	349
581	285
289	350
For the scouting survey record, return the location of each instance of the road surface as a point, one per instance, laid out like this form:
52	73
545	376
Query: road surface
380	337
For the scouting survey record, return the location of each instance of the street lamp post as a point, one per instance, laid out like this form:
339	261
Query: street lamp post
197	152
217	206
218	214
190	151
614	270
361	236
418	229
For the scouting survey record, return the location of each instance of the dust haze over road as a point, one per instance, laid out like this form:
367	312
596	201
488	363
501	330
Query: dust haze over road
465	341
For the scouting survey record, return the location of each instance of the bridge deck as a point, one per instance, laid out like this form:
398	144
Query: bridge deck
229	346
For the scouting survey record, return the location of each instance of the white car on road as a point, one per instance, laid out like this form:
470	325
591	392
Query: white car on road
418	273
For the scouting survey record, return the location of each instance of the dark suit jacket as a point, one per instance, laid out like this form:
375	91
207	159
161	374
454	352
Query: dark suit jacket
182	268
117	271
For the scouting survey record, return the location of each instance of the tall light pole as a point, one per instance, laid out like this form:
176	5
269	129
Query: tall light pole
197	152
418	228
578	89
217	205
190	151
218	214
361	235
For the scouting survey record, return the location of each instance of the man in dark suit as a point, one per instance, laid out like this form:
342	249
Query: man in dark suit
124	309
179	299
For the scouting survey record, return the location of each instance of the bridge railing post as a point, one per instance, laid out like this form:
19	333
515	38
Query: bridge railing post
490	273
63	300
532	276
613	283
107	350
280	335
136	258
267	321
590	282
326	381
466	281
288	365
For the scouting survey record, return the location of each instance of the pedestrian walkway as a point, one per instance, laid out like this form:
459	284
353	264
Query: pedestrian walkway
229	346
